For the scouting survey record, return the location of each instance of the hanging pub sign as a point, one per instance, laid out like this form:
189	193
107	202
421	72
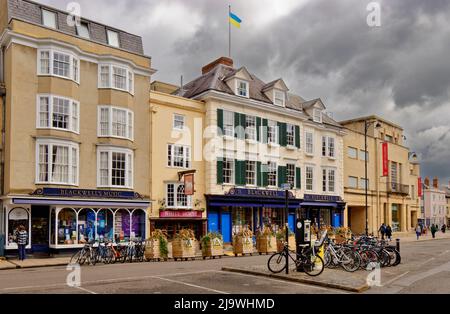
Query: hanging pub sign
385	159
419	187
189	184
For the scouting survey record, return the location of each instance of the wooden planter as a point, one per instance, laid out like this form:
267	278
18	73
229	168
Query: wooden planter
291	243
183	248
152	251
242	245
212	249
266	244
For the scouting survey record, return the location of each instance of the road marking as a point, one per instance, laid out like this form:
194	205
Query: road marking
428	260
445	252
86	290
191	285
394	279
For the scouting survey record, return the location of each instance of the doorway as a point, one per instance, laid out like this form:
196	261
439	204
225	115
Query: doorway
40	229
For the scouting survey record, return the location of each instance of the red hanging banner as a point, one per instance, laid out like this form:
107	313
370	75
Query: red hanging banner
385	160
189	184
419	187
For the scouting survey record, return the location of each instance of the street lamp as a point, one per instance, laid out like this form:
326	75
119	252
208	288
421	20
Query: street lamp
366	186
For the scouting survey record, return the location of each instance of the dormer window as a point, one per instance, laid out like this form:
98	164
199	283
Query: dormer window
317	115
242	88
113	38
279	98
49	18
83	30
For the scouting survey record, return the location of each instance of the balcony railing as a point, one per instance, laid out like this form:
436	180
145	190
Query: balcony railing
397	188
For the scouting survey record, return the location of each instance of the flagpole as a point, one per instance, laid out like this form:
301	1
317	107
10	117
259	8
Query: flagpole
229	32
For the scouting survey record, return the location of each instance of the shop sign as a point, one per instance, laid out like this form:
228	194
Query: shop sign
385	160
189	184
259	193
79	193
180	214
18	214
322	198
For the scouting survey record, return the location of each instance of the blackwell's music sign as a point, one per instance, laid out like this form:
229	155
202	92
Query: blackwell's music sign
81	193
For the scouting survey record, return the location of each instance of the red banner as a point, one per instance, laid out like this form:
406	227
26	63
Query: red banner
419	187
385	160
189	184
180	214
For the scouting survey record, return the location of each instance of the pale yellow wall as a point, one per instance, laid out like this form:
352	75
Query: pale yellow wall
23	85
163	107
3	14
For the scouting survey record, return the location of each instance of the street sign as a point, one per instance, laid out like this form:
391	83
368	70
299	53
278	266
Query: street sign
286	186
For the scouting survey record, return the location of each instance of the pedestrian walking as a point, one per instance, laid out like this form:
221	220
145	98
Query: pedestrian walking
418	231
389	232
433	230
22	241
444	227
382	230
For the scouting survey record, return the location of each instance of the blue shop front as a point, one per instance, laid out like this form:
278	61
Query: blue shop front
249	208
323	210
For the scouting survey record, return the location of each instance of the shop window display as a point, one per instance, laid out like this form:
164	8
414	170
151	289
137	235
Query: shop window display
17	217
122	225
105	225
52	226
273	218
86	225
138	224
67	227
242	217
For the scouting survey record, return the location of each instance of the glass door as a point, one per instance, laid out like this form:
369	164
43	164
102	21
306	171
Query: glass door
40	229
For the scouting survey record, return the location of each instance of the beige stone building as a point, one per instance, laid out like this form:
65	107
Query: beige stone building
392	199
75	145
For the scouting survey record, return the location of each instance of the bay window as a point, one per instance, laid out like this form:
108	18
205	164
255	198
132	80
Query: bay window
115	167
55	112
115	122
58	63
115	77
57	162
176	198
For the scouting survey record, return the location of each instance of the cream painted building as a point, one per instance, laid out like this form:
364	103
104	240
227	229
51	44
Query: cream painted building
435	203
259	136
176	135
75	150
392	199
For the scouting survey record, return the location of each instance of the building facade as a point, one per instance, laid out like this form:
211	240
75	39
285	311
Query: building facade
435	203
75	121
392	199
258	137
176	127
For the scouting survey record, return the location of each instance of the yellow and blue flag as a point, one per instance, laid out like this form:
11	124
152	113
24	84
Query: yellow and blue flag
235	20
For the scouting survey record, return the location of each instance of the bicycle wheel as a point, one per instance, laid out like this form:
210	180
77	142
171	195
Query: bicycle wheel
277	263
75	258
351	260
313	265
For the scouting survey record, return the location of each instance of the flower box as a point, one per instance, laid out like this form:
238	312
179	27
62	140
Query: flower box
242	245
266	244
183	248
213	248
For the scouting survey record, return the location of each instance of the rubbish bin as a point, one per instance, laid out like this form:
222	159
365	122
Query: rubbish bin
2	245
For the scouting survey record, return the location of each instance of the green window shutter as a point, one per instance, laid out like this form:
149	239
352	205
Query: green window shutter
258	174
243	168
236	124
280	176
298	178
258	129
297	136
242	119
240	172
220	119
282	129
219	172
265	179
265	124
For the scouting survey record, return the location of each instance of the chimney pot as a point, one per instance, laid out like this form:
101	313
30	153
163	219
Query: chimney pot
222	60
436	183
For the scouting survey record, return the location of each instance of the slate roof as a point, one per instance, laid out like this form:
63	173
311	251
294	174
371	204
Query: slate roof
30	11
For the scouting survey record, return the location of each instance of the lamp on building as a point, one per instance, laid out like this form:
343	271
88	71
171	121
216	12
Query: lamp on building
367	124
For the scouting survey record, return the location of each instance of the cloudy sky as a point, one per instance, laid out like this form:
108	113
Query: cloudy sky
321	48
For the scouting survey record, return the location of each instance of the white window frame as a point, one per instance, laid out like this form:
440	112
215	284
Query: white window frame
254	171
247	88
129	124
277	96
179	118
129	166
51	99
272	130
49	13
83	27
71	146
294	174
272	167
326	187
288	135
317	115
233	170
309	167
75	77
353	186
176	185
228	126
108	38
129	77
327	142
250	128
309	146
186	156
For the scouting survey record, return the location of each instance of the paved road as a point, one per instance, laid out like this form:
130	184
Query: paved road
425	268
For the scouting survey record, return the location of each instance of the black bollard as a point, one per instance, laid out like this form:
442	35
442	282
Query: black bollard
398	244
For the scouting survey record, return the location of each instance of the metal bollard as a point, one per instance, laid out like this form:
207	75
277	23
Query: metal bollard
398	244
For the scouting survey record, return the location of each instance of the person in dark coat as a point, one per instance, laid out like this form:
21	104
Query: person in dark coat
22	241
444	227
433	230
382	230
389	232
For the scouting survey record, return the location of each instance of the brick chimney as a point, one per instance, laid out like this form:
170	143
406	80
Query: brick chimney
427	181
436	183
222	60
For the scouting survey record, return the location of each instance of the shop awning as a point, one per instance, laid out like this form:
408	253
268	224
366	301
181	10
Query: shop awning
259	205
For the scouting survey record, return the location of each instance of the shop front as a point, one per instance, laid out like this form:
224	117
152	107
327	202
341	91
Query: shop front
173	221
240	208
323	210
58	219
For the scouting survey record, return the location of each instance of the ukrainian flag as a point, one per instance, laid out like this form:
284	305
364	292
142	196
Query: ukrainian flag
235	20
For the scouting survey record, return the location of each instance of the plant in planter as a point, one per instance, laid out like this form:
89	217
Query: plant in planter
281	237
212	245
157	245
266	241
342	234
162	205
243	242
184	244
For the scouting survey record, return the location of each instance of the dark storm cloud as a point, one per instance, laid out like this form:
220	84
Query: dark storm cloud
322	48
